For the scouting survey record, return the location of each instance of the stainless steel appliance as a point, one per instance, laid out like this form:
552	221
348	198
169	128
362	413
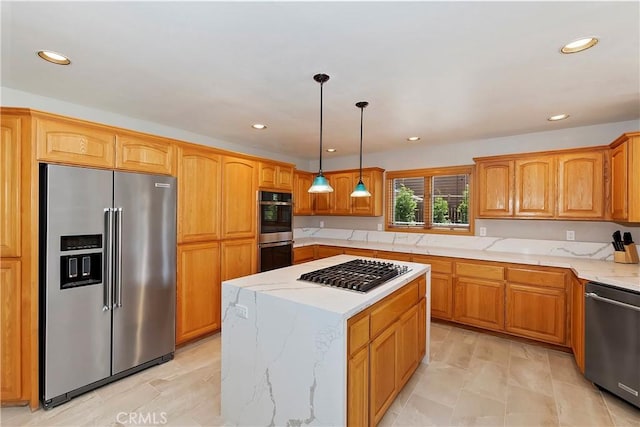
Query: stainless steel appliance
276	230
107	277
612	340
358	275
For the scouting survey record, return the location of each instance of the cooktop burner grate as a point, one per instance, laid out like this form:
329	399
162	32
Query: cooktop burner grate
358	275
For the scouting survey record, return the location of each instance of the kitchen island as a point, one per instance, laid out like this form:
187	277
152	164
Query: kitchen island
287	345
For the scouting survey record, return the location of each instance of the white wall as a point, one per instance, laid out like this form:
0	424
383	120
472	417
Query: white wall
16	98
425	155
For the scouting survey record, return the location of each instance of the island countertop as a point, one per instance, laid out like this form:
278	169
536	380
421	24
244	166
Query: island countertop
283	283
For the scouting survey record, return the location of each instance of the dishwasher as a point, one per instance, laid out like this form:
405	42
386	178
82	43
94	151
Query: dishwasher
612	340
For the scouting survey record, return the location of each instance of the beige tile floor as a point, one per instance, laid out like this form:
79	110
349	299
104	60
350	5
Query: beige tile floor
473	379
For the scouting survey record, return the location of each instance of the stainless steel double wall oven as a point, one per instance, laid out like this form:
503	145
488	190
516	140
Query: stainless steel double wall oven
276	230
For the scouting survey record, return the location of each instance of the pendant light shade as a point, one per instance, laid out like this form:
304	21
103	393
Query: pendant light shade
361	190
320	183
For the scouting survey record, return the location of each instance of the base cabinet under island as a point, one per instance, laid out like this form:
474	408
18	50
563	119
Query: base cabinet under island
298	353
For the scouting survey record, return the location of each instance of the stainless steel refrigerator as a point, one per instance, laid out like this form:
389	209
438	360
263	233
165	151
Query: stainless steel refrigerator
107	277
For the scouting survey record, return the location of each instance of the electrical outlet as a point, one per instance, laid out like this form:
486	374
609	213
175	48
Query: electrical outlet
242	311
321	224
571	235
379	227
483	231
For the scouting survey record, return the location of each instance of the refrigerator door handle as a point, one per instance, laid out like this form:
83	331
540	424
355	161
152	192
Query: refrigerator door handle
119	259
108	264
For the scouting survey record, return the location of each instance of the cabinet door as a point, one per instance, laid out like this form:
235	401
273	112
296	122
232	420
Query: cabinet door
408	340
422	328
199	186
479	303
328	251
74	143
198	290
323	202
152	155
383	373
495	188
284	178
267	175
536	312
535	187
238	258
366	206
10	210
577	322
441	296
358	389
581	185
619	183
343	185
239	197
302	199
10	325
303	254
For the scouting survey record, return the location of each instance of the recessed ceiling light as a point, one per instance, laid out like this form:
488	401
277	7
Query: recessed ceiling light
579	45
413	138
54	57
258	126
558	117
331	150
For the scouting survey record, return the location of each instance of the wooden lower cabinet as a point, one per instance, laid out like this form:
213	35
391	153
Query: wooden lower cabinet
577	321
441	296
479	303
390	339
238	258
536	312
328	251
358	389
11	329
198	290
360	252
303	254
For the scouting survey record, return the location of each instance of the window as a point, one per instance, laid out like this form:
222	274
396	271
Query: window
436	200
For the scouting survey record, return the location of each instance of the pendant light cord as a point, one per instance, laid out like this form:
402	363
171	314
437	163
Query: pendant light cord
361	118
321	86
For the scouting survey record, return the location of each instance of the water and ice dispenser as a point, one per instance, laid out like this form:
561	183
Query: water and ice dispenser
84	268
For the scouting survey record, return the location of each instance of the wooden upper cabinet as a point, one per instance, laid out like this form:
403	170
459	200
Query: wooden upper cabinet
10	325
369	206
625	178
10	179
322	202
275	176
199	194
144	154
535	186
239	198
342	184
302	199
74	142
581	185
495	188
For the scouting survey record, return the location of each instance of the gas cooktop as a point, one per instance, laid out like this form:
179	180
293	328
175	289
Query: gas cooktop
358	275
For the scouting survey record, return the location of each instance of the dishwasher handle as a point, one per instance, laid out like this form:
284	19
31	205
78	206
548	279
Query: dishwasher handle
611	301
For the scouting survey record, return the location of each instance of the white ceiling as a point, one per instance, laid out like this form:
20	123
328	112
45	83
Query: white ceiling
445	71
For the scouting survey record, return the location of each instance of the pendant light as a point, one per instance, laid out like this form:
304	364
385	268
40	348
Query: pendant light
320	183
361	190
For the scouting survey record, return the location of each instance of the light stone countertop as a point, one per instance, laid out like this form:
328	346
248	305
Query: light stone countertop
625	276
283	283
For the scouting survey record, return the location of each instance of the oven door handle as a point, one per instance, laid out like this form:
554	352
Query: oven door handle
610	301
276	203
273	245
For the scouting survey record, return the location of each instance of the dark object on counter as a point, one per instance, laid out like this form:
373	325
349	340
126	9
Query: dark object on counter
617	241
627	239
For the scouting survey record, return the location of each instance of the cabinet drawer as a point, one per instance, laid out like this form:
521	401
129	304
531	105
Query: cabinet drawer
479	271
359	252
303	254
552	279
392	307
437	265
329	251
358	332
398	256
